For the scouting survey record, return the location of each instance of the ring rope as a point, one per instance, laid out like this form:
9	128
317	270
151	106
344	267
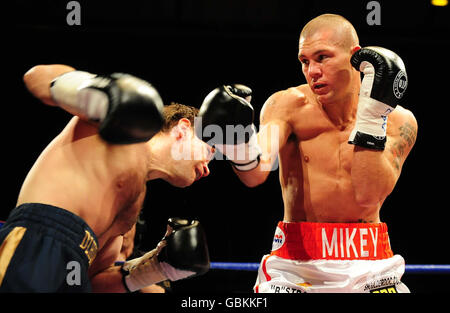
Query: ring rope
410	268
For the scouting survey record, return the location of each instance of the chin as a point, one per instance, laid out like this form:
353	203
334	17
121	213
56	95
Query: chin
326	98
183	183
180	184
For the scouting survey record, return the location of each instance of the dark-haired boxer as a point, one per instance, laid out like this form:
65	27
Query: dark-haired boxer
87	187
341	145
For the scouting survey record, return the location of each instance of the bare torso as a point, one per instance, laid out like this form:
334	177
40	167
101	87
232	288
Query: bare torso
104	185
315	165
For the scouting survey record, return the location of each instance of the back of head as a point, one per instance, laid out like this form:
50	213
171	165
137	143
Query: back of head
344	34
176	111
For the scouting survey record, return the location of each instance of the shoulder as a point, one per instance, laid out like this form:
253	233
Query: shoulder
404	113
402	117
403	124
282	102
290	96
78	128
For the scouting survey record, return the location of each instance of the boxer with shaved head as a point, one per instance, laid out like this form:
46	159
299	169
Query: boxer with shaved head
341	144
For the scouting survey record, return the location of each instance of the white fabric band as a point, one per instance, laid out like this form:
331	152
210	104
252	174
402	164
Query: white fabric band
172	273
244	156
371	116
70	92
143	271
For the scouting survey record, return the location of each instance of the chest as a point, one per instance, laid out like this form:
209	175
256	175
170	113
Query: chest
328	152
318	143
129	199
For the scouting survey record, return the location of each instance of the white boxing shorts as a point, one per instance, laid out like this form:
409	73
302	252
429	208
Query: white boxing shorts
331	258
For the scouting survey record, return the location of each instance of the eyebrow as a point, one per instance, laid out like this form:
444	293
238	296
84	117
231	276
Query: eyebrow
315	53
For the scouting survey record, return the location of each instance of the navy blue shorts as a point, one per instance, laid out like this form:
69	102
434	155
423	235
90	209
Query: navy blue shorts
45	249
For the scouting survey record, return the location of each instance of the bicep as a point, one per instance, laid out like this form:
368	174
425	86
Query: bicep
274	125
275	128
272	137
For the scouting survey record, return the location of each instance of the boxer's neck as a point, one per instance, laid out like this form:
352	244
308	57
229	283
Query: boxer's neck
342	111
158	152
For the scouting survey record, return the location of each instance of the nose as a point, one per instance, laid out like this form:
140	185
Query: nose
205	169
314	71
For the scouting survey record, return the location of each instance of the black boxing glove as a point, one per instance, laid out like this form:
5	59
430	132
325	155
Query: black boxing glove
182	253
128	109
227	113
382	87
186	250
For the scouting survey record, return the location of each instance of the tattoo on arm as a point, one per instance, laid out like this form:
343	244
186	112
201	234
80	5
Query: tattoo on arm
408	135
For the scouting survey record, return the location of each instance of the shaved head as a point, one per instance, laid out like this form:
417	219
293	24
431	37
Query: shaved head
325	48
341	31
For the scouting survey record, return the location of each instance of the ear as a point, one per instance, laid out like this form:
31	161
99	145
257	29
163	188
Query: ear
182	129
355	48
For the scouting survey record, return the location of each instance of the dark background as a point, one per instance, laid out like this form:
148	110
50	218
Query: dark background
186	49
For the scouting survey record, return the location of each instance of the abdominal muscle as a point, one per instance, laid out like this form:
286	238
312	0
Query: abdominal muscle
316	183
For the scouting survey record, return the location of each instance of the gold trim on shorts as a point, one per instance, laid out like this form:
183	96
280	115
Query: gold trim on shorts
8	248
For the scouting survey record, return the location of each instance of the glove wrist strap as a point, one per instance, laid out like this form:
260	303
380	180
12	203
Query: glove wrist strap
371	123
142	272
245	167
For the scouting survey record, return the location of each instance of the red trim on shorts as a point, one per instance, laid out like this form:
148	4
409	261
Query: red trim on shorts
264	269
331	241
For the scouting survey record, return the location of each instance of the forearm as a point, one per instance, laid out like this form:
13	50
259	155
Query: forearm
101	100
373	177
38	80
110	280
268	141
374	134
254	177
